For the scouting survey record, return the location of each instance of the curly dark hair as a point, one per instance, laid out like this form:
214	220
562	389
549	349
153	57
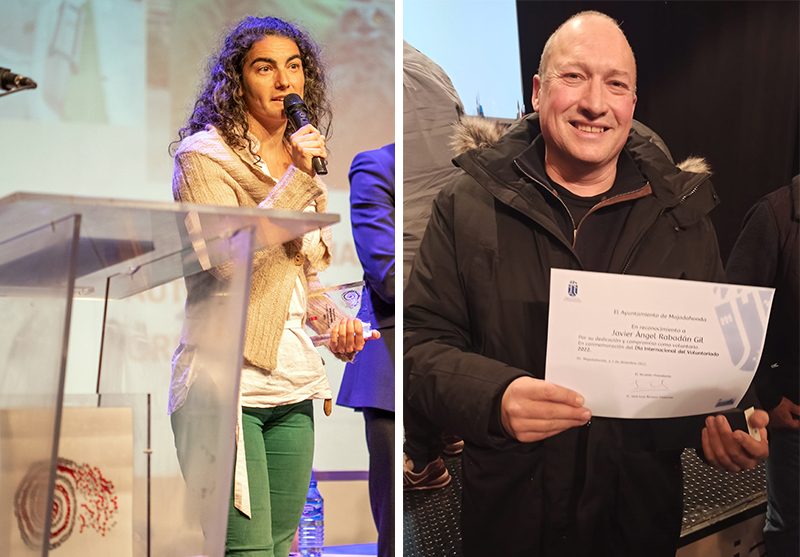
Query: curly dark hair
220	104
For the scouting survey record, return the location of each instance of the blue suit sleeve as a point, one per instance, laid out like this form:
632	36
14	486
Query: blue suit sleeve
372	218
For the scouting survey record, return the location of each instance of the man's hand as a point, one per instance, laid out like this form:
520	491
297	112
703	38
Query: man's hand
735	450
784	415
533	409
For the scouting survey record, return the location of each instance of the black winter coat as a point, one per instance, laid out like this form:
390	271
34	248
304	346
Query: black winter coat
476	319
766	254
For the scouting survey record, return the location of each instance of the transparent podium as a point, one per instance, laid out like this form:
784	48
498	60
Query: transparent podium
104	469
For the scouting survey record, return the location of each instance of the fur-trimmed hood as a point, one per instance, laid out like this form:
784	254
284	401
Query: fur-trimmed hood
475	132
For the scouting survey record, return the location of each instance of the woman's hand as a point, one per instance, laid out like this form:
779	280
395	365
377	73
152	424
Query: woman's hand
347	337
307	143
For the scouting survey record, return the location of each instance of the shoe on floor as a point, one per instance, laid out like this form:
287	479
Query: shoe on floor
433	476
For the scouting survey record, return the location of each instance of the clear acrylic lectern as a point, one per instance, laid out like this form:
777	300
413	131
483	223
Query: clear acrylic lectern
97	472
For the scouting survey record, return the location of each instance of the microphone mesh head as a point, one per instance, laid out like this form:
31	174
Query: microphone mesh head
292	102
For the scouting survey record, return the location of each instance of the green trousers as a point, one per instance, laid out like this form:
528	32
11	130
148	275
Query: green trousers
279	445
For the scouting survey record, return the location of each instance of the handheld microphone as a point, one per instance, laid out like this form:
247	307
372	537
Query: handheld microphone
297	112
9	80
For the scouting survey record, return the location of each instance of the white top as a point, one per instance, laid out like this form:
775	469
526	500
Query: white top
299	376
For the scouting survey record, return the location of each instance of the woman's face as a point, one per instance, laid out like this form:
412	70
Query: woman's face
272	69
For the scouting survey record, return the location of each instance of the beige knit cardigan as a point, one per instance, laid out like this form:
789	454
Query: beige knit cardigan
209	171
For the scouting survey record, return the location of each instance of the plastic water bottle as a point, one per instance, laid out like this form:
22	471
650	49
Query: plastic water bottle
312	526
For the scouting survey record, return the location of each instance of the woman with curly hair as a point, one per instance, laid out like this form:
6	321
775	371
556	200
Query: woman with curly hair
238	150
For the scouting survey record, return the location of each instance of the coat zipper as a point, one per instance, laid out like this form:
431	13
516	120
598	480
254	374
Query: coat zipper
572	220
610	201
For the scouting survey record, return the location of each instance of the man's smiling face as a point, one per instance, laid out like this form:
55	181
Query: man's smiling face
586	97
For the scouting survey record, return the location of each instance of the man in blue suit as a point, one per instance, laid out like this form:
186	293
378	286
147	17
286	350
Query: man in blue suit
368	383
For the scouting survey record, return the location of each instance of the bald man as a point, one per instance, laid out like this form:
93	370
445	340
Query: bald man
574	187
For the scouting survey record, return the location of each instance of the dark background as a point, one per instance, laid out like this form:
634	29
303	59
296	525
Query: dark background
719	80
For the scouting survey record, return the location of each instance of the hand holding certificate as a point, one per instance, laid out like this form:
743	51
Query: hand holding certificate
643	347
735	450
532	409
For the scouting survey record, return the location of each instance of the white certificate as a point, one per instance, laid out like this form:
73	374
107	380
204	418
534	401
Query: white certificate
643	347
